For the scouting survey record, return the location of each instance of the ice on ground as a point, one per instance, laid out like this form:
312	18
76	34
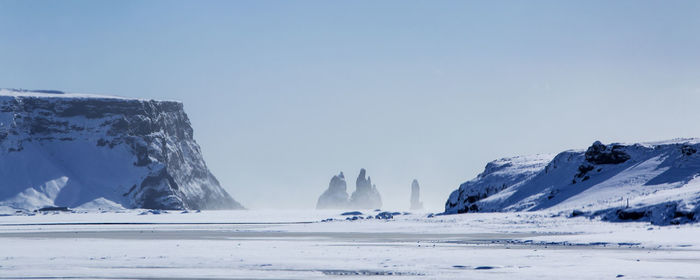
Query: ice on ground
296	245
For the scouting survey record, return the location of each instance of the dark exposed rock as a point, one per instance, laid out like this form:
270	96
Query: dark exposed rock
688	150
667	213
386	215
354	218
630	215
584	169
576	213
53	208
602	154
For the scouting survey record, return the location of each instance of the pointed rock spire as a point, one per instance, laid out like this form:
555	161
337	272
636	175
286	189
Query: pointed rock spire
366	195
416	204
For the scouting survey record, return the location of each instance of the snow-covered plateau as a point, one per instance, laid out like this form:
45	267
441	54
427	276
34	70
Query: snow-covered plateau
255	244
654	182
90	151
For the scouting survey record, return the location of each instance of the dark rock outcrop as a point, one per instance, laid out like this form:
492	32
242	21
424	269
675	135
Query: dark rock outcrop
602	154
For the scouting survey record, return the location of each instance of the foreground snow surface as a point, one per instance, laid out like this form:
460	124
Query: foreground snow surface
297	245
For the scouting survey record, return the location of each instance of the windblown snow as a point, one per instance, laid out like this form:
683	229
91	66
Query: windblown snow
79	150
655	182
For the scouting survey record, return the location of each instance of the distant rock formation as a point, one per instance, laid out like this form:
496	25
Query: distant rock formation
366	195
336	196
416	204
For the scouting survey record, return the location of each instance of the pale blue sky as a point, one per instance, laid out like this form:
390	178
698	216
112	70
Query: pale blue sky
284	94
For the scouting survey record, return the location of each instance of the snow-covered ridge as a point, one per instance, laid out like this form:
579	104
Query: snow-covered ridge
655	181
48	94
73	150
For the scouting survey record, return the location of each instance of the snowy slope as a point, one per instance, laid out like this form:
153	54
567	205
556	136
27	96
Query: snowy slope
650	181
62	149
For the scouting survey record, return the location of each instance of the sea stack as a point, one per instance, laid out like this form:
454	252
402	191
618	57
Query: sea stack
366	195
416	204
336	196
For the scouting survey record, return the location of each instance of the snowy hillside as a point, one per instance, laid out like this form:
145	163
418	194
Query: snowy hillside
78	150
655	182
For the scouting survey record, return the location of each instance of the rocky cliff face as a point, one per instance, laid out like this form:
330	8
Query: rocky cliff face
655	182
60	149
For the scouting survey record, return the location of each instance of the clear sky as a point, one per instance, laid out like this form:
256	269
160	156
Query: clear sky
284	94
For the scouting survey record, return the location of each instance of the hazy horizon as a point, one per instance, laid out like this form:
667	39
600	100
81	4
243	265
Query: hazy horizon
284	95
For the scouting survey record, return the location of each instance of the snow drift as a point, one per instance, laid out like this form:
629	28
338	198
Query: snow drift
76	150
654	182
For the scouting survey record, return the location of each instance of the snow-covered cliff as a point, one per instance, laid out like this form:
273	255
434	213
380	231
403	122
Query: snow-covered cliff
655	182
61	149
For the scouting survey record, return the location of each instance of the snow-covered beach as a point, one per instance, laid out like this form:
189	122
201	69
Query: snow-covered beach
266	244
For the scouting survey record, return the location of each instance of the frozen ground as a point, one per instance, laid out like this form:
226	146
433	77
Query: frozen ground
296	245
